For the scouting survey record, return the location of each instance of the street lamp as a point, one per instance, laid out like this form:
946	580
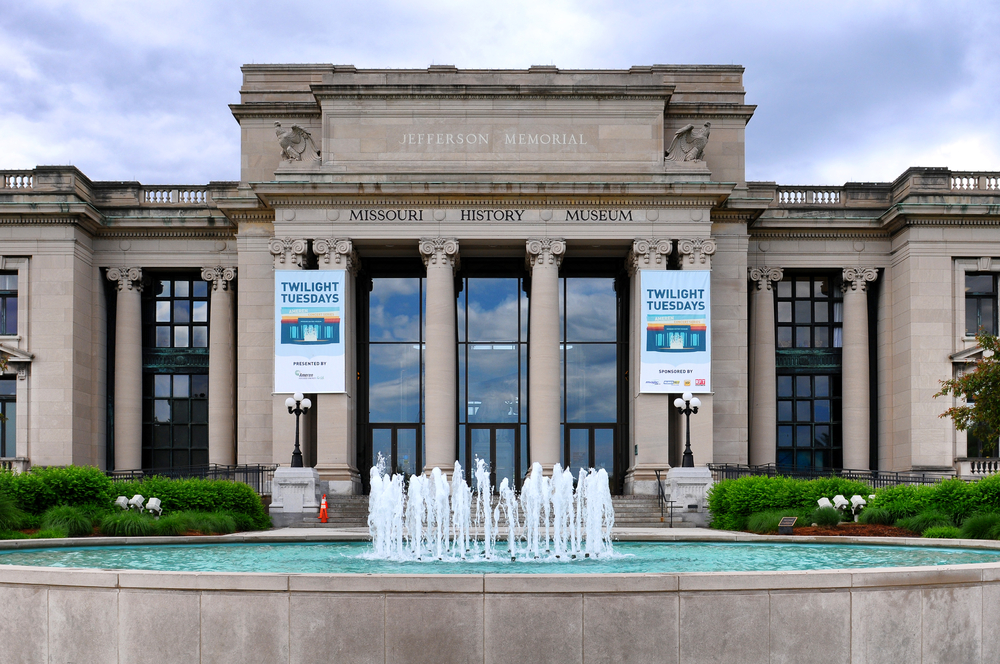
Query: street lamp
685	405
297	405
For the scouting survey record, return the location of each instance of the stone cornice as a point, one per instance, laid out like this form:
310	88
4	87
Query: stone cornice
825	234
513	91
169	233
267	110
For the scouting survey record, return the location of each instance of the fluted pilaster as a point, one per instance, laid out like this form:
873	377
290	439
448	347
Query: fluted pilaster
128	368
855	406
221	376
764	402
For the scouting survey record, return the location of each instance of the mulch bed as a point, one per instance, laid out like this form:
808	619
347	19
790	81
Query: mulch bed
855	530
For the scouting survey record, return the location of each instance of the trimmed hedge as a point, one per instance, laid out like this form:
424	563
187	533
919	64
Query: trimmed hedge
731	502
88	488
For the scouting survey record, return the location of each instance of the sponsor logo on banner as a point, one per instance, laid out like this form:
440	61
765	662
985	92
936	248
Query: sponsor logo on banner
675	330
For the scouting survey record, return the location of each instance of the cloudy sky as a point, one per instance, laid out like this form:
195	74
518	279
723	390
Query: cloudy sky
846	90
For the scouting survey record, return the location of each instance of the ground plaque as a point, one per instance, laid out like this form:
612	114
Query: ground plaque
786	524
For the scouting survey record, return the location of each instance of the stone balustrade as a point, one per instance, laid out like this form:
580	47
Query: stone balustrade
167	195
975	181
18	180
808	196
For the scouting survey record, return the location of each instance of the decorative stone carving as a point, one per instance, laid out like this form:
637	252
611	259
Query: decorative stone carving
985	263
295	142
857	278
545	251
648	253
689	143
220	276
439	251
697	251
128	278
287	251
339	252
763	276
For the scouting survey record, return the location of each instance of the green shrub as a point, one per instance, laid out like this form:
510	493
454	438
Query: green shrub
245	522
731	502
51	533
41	488
979	526
207	523
825	516
877	515
11	517
71	519
943	532
926	519
214	523
127	524
197	495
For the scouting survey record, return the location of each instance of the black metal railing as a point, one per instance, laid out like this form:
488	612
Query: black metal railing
876	478
258	476
661	497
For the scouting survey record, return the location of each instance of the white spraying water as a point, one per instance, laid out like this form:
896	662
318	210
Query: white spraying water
437	520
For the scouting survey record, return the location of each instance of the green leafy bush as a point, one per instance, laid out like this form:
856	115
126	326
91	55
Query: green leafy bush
825	516
127	524
198	495
924	520
979	526
71	519
731	502
877	515
943	532
207	523
51	533
41	488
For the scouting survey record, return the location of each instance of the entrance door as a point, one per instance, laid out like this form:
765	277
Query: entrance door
499	447
590	446
399	446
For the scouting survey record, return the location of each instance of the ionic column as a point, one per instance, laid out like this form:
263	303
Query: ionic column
441	356
288	254
128	368
696	254
764	394
544	378
855	392
649	450
336	451
221	407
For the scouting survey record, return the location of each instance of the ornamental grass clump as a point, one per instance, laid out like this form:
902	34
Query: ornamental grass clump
980	526
71	519
127	524
11	518
877	516
927	519
826	516
943	532
764	523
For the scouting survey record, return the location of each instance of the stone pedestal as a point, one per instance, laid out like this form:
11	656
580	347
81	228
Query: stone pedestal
295	494
688	488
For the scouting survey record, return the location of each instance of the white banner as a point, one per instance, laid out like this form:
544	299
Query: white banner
309	331
675	330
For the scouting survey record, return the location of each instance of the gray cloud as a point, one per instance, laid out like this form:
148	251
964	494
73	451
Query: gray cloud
845	90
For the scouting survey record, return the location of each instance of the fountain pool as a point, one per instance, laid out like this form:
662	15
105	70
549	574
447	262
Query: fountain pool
628	558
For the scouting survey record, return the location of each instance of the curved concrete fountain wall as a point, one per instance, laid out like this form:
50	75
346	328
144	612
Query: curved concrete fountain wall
902	615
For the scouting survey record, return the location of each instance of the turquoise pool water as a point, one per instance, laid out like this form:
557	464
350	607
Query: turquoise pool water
629	557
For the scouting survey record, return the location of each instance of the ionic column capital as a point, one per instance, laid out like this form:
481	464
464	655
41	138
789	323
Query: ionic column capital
763	276
439	251
220	276
338	252
648	253
545	251
857	278
697	251
288	251
128	278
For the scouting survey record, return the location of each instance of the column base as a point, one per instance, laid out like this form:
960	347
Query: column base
340	478
640	480
295	495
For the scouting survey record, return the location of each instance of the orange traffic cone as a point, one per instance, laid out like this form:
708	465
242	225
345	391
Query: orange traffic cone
322	510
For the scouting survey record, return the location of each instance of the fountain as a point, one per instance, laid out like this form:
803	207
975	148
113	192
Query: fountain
437	520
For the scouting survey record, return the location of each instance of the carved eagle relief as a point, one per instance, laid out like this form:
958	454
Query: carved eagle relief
689	143
295	142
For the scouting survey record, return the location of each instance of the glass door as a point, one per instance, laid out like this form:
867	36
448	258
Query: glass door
590	446
499	447
399	447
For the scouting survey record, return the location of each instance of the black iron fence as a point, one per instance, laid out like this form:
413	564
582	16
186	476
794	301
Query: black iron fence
257	476
876	478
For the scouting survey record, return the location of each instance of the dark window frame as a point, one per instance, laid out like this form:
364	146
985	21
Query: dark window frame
8	302
975	300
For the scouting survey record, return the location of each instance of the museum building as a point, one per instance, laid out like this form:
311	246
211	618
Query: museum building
505	260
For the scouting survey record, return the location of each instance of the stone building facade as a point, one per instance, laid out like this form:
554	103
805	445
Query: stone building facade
493	225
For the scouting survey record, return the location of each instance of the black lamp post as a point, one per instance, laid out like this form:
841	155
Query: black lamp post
297	405
687	404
